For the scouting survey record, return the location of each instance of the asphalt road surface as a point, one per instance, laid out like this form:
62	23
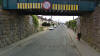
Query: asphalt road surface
50	43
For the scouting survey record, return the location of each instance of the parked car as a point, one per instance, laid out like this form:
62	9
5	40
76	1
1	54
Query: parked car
55	26
51	28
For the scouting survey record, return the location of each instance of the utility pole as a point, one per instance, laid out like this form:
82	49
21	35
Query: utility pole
73	17
51	17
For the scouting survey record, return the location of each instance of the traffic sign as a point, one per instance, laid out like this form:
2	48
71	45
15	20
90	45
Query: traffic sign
46	5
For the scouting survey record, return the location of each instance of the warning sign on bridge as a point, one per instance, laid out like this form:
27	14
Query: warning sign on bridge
46	5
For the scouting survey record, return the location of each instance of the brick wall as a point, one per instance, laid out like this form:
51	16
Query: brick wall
14	28
90	28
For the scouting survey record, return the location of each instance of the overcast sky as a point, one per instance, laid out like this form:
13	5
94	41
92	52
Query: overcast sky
60	18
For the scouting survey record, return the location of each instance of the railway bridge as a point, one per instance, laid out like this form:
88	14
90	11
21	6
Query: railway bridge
50	7
15	27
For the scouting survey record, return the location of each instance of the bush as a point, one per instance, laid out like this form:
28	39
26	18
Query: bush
35	21
41	29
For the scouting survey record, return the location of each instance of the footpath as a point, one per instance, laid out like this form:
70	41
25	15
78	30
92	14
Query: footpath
83	48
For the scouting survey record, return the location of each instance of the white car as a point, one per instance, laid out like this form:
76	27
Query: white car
51	28
55	26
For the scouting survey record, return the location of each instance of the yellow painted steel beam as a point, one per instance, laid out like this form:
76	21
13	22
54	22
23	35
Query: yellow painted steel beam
30	5
61	7
18	5
23	5
58	6
26	6
36	5
67	7
64	7
39	5
72	8
55	6
33	5
77	7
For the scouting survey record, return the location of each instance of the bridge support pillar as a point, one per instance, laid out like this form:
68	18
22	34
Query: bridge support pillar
13	27
90	28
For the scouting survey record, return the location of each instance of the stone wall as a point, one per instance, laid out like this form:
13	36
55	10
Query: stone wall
90	28
14	28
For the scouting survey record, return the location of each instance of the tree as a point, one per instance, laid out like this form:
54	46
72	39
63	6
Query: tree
71	24
46	24
35	21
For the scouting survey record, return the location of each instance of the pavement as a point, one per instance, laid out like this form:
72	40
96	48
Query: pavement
57	42
83	47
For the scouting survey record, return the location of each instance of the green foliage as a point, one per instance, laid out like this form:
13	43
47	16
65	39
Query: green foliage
71	24
46	24
35	21
41	28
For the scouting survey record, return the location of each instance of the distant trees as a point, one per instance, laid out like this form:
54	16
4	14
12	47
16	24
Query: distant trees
72	24
46	24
